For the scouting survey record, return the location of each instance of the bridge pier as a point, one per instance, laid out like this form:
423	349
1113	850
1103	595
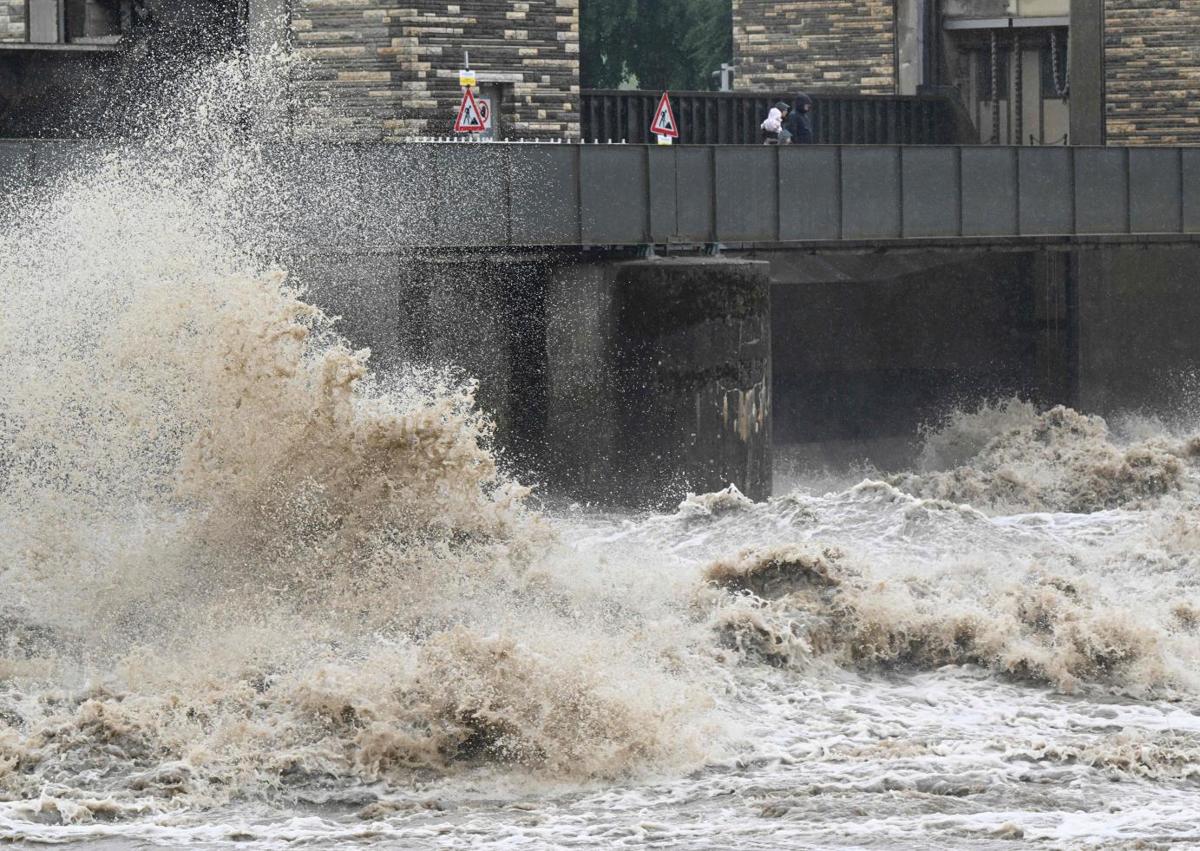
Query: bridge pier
1135	338
622	382
658	379
1053	292
633	382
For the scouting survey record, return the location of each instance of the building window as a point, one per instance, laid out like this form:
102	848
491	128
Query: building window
1054	64
75	21
983	75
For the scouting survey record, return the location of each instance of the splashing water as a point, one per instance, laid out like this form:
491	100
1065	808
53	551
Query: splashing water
237	564
251	592
1011	458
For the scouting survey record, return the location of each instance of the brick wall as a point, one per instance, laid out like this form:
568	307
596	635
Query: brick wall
385	69
815	44
1152	70
12	20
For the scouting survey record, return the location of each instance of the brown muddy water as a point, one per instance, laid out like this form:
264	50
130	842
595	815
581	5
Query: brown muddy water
253	595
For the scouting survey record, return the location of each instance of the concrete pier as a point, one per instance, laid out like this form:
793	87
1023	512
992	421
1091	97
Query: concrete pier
1136	327
623	382
634	382
658	379
480	314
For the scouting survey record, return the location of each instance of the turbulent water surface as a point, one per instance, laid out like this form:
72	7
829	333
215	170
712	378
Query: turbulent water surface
252	593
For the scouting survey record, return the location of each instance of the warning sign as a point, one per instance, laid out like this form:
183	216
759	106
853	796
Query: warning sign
664	119
484	105
469	119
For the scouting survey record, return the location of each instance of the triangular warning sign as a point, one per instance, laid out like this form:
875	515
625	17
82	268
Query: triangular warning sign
664	119
469	119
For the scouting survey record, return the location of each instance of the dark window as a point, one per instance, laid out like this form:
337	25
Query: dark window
57	21
983	77
92	19
1050	87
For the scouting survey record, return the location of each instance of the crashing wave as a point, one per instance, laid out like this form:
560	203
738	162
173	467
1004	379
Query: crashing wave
727	501
1011	458
789	604
232	559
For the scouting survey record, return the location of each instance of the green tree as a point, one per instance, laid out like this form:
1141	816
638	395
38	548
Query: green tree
709	41
662	44
605	28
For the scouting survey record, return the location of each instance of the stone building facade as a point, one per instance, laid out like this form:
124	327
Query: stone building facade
848	45
1152	71
387	69
1150	56
12	20
370	70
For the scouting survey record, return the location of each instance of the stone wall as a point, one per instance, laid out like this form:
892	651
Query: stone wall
12	20
386	69
815	44
1152	63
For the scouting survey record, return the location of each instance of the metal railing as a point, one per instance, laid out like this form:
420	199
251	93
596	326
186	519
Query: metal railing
734	118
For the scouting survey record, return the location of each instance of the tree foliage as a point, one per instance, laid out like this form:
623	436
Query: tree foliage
660	44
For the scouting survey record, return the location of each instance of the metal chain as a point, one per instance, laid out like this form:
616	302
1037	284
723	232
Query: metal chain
1064	88
995	92
1017	99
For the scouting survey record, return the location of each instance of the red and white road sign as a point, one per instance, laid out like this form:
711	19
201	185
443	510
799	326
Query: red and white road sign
664	119
469	119
485	111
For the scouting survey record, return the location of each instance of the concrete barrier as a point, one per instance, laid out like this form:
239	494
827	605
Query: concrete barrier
428	195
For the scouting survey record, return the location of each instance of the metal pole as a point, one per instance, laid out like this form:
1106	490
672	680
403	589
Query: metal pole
1085	67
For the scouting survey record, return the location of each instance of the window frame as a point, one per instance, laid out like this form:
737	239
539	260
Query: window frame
62	14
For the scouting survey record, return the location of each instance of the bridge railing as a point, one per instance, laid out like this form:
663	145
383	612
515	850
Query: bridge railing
734	118
387	196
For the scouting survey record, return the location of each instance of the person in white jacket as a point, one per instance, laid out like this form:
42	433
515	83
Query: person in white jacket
773	127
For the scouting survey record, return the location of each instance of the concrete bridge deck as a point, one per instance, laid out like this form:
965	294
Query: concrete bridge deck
825	198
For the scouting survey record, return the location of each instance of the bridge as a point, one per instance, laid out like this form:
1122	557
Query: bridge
513	261
819	197
827	196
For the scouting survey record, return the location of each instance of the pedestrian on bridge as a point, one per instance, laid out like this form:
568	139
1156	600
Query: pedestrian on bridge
799	120
773	130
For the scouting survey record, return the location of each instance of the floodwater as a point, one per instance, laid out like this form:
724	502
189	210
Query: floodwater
252	594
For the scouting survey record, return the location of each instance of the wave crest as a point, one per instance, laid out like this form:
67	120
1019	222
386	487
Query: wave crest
1011	458
788	605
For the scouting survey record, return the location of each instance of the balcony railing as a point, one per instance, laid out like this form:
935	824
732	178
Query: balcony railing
734	118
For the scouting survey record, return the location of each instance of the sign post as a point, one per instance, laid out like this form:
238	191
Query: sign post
473	116
664	125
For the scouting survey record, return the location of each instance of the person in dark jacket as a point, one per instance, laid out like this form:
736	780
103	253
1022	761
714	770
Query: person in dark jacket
799	120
